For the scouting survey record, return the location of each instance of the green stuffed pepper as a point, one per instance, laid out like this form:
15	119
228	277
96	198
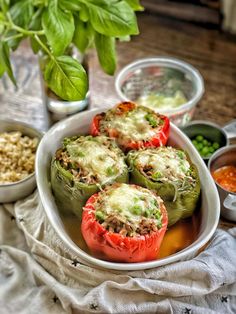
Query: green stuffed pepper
170	173
81	167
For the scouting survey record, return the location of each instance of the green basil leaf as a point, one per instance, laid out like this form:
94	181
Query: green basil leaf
84	14
104	2
21	13
70	5
5	61
36	21
113	20
105	47
36	25
135	5
34	45
2	67
67	78
39	3
58	26
2	19
4	5
12	2
83	35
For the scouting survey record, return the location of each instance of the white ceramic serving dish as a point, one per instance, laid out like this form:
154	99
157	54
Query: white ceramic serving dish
79	124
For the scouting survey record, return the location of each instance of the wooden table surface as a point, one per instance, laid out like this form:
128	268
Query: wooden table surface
211	52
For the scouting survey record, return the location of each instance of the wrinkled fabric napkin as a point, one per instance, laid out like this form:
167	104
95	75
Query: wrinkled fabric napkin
39	275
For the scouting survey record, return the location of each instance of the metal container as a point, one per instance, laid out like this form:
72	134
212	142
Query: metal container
222	157
12	192
150	76
80	124
212	132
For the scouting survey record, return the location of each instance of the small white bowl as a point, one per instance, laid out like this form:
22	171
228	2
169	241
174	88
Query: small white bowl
80	124
147	76
12	192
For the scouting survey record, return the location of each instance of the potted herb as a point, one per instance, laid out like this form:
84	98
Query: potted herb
54	26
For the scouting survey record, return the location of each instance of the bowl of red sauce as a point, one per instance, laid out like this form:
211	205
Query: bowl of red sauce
222	166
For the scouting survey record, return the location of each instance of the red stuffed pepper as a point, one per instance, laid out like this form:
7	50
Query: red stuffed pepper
124	223
132	126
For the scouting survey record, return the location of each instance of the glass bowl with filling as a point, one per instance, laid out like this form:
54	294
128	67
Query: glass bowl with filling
124	223
132	126
170	173
81	167
166	85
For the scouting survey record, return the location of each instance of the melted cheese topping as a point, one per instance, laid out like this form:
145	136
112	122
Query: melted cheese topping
164	163
130	205
125	197
96	158
133	125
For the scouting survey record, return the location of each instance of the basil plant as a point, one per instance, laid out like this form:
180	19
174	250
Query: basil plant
54	25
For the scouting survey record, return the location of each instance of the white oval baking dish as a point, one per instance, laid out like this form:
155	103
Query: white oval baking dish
79	124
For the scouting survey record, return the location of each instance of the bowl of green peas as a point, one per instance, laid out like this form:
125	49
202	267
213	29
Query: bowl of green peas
207	137
204	146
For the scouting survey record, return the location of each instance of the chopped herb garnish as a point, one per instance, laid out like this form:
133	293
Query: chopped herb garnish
69	140
159	224
99	216
136	210
73	165
81	154
148	212
157	175
151	118
180	154
155	203
183	168
111	171
136	199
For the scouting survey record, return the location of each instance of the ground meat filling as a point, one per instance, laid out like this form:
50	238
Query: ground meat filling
77	172
129	210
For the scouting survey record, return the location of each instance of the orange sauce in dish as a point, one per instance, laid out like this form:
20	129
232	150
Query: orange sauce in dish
177	237
226	177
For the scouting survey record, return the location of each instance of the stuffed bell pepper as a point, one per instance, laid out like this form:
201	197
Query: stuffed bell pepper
82	166
132	126
167	171
124	223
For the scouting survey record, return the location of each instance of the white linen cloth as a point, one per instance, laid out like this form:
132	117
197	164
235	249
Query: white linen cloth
39	275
